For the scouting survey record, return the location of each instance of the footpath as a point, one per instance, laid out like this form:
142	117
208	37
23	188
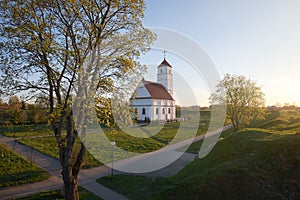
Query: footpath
87	177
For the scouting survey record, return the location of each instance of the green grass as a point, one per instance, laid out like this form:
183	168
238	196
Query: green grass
283	121
18	131
271	115
130	143
138	139
135	187
125	141
287	123
48	146
16	170
55	194
254	163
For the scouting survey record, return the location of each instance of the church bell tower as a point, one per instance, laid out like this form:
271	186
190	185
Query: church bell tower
165	76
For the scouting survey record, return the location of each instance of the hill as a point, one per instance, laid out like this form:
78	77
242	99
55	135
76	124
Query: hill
254	163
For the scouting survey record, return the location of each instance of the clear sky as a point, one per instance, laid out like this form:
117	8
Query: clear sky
256	38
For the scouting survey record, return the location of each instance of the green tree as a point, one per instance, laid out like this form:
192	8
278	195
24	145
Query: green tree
104	112
49	46
243	98
17	117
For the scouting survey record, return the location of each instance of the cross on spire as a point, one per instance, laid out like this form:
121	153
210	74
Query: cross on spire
164	54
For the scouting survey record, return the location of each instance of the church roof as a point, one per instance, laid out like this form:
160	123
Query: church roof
157	91
165	62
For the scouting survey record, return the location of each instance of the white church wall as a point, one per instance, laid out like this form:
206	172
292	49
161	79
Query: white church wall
142	92
164	110
156	110
146	113
141	104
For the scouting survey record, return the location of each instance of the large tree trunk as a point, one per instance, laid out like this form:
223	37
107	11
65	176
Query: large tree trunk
70	186
70	176
71	160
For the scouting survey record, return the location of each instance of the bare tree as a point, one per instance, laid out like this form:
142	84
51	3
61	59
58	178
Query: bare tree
44	46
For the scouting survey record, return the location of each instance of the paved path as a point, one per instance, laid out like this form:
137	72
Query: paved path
164	157
49	164
29	189
87	177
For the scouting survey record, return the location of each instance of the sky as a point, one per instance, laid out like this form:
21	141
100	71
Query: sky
259	39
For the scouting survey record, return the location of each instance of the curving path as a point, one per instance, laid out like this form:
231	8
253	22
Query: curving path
87	177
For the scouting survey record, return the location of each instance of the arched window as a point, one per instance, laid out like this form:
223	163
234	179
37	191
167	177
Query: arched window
169	110
157	111
143	111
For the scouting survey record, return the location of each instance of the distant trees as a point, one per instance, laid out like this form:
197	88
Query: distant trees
14	103
16	112
243	98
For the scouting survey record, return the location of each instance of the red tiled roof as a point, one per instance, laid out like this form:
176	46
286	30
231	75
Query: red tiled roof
157	91
164	62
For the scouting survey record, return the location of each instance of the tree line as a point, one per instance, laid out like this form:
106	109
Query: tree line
19	112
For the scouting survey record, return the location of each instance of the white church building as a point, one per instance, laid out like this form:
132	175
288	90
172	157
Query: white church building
155	100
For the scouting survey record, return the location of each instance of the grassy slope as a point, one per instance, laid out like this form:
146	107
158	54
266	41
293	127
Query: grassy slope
12	174
251	164
255	163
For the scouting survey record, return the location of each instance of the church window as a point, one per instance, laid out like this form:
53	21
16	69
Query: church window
169	71
143	111
161	71
169	110
157	111
163	111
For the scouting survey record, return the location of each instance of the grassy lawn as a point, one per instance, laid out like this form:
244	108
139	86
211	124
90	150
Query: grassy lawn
46	145
12	173
18	131
131	143
55	194
128	145
254	163
49	146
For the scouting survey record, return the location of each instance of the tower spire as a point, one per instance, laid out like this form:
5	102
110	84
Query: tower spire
164	74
